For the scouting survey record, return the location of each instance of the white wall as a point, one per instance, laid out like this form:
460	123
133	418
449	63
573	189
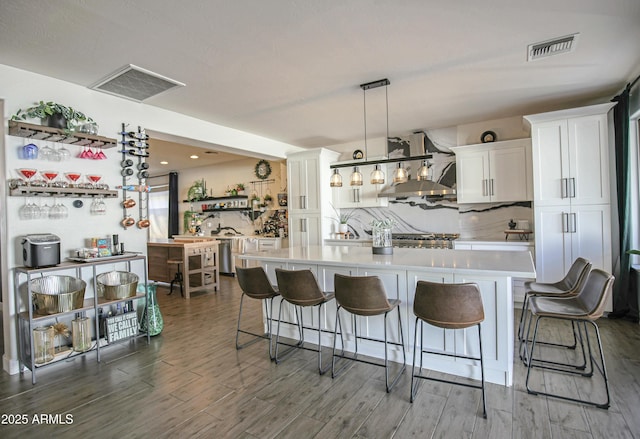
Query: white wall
20	89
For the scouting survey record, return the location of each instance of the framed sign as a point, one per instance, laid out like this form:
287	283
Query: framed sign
121	326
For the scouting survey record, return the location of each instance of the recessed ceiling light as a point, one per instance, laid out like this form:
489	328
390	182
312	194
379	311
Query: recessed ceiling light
164	162
194	157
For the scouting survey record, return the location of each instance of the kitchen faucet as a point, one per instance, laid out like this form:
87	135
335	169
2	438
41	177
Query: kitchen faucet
219	229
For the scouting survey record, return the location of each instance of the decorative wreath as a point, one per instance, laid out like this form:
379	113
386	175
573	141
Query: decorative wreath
263	169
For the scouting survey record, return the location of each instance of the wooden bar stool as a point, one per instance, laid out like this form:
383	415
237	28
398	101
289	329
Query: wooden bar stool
586	307
365	296
177	278
255	284
447	306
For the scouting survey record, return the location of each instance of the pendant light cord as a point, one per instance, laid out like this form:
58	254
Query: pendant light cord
366	152
386	97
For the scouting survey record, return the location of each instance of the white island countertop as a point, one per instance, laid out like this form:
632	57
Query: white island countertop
502	263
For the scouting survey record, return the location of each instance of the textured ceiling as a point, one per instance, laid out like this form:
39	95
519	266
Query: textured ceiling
290	70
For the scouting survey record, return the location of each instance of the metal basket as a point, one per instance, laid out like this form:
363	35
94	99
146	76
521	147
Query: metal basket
116	285
56	294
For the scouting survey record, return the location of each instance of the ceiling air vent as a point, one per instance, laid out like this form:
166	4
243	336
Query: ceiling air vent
552	47
135	83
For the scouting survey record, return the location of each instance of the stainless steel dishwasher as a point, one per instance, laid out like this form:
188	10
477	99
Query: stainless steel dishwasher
226	255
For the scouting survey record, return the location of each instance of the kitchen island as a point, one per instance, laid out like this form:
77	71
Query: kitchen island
400	272
200	266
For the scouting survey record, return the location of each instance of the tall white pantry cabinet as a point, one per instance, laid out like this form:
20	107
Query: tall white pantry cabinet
309	203
572	189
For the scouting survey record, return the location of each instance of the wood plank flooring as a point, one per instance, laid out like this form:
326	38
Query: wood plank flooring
191	382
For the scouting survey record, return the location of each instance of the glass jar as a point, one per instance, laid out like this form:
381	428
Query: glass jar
81	334
382	241
43	344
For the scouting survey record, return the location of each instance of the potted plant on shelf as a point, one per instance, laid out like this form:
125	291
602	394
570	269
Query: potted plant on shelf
240	188
197	191
56	115
343	220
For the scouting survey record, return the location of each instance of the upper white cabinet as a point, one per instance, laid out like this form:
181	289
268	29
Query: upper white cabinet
571	170
309	198
571	160
494	172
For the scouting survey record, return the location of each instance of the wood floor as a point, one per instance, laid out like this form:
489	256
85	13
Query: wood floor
191	382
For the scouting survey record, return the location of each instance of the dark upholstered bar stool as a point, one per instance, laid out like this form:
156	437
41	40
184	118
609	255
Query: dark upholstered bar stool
569	286
447	306
365	296
177	278
255	284
300	288
586	307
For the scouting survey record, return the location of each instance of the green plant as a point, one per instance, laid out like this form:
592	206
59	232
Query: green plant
197	191
385	223
44	109
240	186
343	218
268	197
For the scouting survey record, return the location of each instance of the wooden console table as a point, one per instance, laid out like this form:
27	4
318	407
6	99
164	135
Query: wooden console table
199	268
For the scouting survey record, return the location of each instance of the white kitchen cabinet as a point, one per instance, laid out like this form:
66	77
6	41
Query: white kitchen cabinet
495	172
571	160
309	197
563	234
303	230
571	170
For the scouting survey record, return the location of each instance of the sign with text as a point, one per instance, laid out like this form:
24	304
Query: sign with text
121	326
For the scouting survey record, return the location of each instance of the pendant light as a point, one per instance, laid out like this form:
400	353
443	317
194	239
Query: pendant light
423	172
377	176
400	175
356	177
336	179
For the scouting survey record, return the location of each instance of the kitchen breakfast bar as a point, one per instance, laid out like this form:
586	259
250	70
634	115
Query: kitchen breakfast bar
491	270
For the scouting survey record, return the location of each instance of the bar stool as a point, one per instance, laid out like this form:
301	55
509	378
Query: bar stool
365	296
300	288
586	307
447	306
255	285
178	276
569	286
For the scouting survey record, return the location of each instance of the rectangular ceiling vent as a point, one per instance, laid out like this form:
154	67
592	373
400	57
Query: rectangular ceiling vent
135	83
552	47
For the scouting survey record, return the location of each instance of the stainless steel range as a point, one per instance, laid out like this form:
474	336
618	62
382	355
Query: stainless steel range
424	240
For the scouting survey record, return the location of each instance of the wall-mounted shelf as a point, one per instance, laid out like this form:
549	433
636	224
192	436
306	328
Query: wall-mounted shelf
41	132
231	197
31	191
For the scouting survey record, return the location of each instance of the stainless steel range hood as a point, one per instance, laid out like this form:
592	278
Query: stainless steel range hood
415	188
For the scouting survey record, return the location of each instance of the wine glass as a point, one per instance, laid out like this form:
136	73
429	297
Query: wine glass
65	154
28	173
73	177
26	211
46	152
50	176
98	206
94	179
100	155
